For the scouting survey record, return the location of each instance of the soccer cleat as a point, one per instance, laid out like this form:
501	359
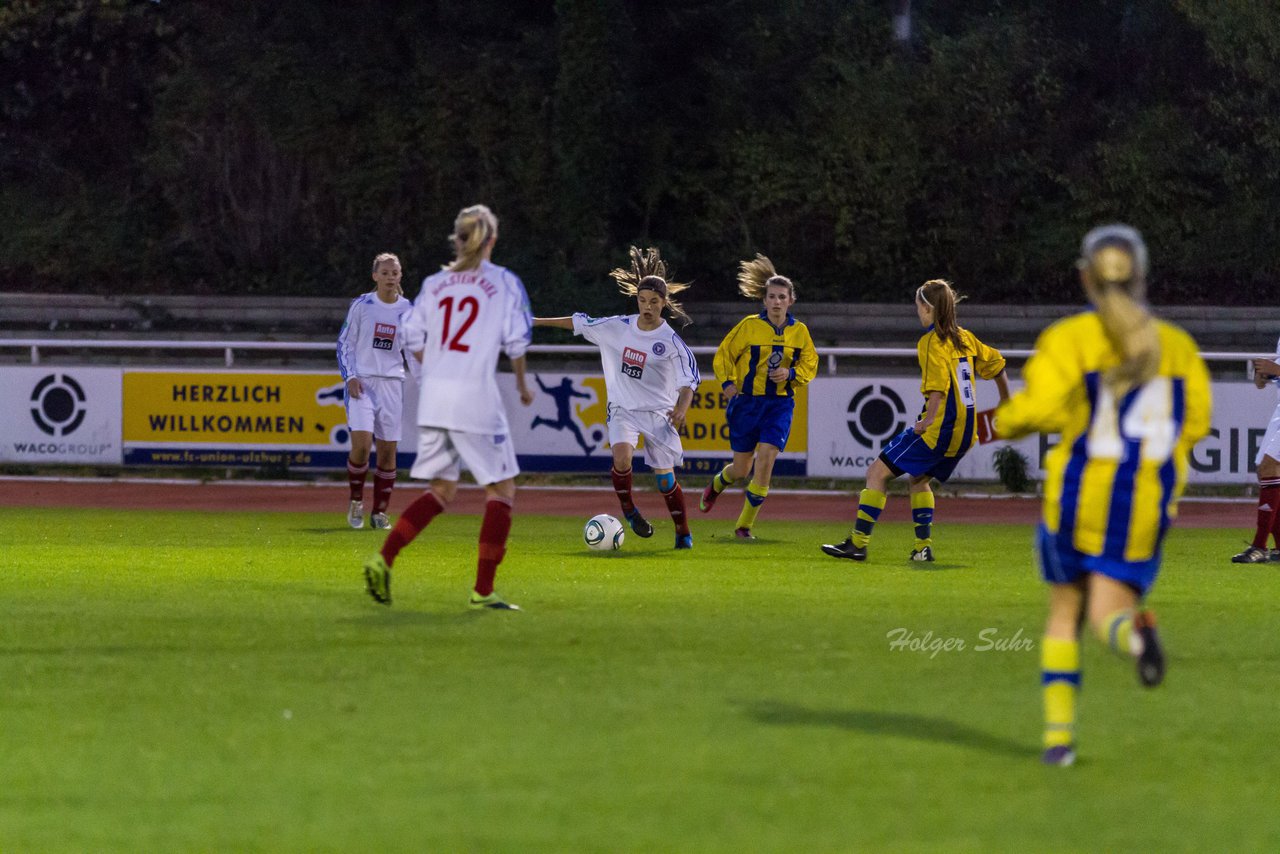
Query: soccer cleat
379	521
925	554
492	602
1151	658
846	550
743	534
684	541
355	514
1273	556
1252	555
1060	755
639	524
708	499
377	579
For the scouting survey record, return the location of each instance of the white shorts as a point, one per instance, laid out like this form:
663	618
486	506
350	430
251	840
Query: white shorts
1270	446
662	448
378	409
443	453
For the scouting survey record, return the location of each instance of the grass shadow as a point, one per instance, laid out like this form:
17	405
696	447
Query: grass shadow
901	724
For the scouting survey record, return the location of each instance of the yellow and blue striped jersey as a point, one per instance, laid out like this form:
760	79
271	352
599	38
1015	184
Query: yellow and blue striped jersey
755	346
949	369
1114	478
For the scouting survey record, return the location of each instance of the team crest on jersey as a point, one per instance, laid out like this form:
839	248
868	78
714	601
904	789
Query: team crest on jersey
633	362
659	348
384	336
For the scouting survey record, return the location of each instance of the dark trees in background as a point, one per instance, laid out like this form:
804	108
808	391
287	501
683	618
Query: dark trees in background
237	146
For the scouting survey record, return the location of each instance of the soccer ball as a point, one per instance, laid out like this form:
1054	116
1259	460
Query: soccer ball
603	533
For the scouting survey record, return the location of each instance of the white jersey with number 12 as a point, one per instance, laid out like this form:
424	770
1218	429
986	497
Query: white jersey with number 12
461	321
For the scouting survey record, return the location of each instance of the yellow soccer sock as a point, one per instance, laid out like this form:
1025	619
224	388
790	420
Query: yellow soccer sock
751	505
722	480
1060	678
922	515
1116	631
870	503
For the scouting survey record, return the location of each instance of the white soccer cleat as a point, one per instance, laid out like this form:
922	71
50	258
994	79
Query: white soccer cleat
355	514
379	521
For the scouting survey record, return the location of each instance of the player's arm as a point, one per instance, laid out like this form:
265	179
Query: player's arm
1199	400
1265	368
518	367
930	413
725	362
1002	384
557	322
1051	375
681	410
347	338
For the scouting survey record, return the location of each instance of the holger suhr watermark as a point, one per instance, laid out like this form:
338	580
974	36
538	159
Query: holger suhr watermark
988	640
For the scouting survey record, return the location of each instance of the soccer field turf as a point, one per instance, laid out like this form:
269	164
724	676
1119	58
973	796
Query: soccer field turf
221	681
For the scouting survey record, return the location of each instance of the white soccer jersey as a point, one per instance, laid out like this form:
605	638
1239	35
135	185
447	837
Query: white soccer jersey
643	371
371	343
460	321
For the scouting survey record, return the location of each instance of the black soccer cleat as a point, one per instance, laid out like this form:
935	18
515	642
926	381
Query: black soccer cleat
845	550
1151	658
639	524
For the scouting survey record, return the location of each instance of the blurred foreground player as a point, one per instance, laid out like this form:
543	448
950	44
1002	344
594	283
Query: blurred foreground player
1130	397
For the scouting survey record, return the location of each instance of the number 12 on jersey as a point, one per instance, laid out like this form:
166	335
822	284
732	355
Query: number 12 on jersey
468	309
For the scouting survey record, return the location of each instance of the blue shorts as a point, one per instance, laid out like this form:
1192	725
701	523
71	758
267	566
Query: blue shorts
1062	563
753	420
907	453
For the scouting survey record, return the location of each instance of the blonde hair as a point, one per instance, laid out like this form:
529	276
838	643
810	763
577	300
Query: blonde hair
388	256
649	272
474	228
1113	266
942	298
756	276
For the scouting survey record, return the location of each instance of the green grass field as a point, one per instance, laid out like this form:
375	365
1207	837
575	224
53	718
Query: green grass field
206	682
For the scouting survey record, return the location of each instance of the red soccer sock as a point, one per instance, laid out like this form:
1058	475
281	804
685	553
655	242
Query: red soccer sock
1275	528
622	486
383	481
675	503
355	479
493	542
1268	502
411	522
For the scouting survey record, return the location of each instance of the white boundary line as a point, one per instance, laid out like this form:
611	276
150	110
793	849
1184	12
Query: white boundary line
337	484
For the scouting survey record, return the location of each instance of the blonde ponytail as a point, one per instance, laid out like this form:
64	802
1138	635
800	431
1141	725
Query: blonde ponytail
1114	268
474	228
755	277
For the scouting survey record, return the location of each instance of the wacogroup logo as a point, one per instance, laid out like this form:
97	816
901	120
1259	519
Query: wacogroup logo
58	405
876	414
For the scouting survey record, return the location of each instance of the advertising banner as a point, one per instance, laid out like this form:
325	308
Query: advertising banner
234	418
60	415
850	420
564	429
